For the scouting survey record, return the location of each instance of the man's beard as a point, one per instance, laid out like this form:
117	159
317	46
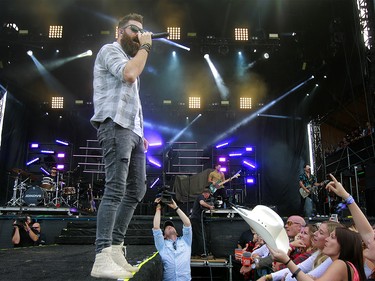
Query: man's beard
129	46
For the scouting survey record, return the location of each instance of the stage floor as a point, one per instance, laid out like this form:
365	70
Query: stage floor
71	263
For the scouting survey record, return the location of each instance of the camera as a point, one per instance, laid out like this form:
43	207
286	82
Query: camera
20	222
165	195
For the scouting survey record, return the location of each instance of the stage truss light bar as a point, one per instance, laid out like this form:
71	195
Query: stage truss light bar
155	144
249	148
62	142
45	171
249	164
60	167
223	169
57	103
241	34
32	161
245	103
194	102
47	152
155	182
34	145
55	31
250	180
155	163
174	33
60	155
222	159
222	144
235	154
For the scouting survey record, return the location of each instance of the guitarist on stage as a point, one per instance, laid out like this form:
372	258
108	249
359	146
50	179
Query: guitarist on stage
214	179
307	183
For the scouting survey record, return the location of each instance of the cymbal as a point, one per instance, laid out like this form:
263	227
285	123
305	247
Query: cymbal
21	172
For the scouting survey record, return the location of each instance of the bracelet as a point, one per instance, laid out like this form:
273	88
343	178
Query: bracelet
177	208
269	277
294	275
146	47
287	262
349	200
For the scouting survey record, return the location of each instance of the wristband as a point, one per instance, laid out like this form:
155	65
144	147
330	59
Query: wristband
269	277
287	262
146	47
177	208
349	200
294	275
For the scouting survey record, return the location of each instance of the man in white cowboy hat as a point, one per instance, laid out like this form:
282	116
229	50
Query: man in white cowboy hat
174	251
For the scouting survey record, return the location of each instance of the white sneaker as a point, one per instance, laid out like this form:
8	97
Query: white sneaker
105	267
118	256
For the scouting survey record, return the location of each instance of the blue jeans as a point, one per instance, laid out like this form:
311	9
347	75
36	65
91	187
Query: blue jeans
125	182
308	209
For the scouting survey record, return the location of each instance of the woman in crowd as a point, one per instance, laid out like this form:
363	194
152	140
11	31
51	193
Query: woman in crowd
304	245
317	263
362	224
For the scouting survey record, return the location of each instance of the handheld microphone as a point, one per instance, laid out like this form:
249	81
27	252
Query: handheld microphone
159	35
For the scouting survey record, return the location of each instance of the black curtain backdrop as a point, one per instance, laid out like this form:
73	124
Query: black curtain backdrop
13	148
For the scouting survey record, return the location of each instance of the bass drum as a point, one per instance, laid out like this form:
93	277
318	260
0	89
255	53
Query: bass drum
34	196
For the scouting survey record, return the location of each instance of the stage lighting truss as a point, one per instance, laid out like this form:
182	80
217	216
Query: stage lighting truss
174	33
55	31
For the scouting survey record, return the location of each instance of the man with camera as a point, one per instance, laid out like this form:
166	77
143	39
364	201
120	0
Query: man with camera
26	233
174	250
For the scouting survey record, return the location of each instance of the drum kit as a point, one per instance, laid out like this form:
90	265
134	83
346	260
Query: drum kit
52	191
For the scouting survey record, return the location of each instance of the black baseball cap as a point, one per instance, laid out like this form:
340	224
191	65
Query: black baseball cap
168	223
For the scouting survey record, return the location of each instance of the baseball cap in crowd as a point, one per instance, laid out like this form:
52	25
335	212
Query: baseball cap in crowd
168	223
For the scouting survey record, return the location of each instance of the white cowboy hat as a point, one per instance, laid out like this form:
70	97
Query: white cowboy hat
267	224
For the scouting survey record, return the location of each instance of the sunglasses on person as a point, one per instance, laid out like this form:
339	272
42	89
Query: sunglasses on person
133	28
289	223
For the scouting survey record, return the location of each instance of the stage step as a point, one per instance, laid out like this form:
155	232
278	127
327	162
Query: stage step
84	232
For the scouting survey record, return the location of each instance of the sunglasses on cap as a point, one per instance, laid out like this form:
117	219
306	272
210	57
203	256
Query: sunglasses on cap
133	28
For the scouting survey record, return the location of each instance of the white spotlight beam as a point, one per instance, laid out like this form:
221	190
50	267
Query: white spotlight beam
258	112
184	129
224	92
174	44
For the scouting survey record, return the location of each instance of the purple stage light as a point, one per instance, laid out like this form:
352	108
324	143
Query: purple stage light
47	152
155	144
155	182
222	144
32	161
249	148
45	171
222	159
235	154
155	163
60	155
223	169
62	142
249	164
34	145
250	180
60	167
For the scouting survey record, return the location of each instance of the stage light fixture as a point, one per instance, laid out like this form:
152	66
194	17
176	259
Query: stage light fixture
245	103
266	56
241	34
249	148
57	102
250	180
222	159
45	171
60	155
224	102
155	182
194	102
55	31
34	145
47	151
29	53
222	144
155	163
174	33
32	161
235	154
247	163
167	102
223	169
60	167
154	144
62	142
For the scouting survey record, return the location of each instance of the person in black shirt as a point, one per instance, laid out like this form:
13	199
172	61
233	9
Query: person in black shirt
26	233
200	245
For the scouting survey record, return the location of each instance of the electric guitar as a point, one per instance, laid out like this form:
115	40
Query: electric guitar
219	184
313	190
